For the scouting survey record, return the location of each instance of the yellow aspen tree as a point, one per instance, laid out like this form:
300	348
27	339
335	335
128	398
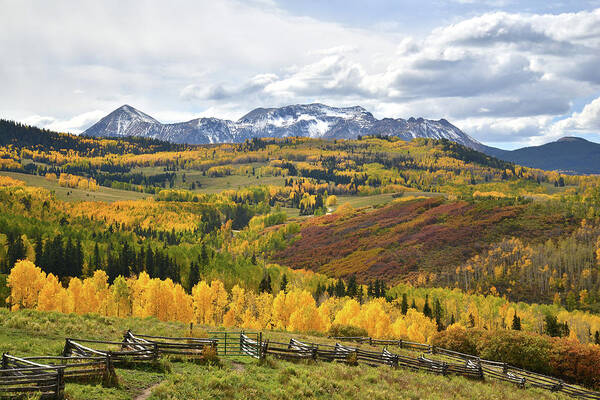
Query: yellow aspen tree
50	297
304	319
138	287
349	313
121	297
264	306
233	316
75	292
220	300
184	309
203	304
25	282
374	319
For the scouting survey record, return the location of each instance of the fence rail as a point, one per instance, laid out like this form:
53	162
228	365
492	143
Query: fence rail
85	358
125	351
183	346
473	367
22	378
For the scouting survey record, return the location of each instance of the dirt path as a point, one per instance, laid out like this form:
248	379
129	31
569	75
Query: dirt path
237	367
146	392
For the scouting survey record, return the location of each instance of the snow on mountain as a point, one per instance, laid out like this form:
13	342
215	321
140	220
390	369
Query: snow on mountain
312	120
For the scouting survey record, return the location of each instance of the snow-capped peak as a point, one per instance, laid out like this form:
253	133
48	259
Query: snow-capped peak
313	120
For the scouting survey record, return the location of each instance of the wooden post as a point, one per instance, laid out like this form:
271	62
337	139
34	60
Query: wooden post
60	383
155	351
225	343
260	347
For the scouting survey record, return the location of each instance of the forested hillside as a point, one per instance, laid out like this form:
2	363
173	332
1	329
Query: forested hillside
400	239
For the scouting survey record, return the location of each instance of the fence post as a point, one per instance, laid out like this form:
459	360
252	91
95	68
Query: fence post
400	343
260	346
225	343
67	347
370	341
60	383
155	350
4	361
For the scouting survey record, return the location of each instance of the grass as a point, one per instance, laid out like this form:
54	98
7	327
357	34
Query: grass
215	184
377	200
69	194
35	333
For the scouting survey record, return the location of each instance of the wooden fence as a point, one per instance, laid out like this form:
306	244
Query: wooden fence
89	359
123	352
182	346
473	366
21	378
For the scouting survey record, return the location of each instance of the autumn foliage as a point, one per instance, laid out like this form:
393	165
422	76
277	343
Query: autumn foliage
561	357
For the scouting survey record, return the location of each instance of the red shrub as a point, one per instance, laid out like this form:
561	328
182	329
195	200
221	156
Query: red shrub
576	362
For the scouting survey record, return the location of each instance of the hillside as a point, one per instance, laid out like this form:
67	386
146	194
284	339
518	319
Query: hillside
408	237
36	333
568	154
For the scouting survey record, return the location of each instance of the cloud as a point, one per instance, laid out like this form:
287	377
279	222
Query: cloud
505	76
588	120
76	124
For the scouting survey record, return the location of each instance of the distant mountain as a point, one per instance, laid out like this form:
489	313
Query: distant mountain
310	120
568	154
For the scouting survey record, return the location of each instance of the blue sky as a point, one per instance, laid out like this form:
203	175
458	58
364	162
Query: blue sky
509	73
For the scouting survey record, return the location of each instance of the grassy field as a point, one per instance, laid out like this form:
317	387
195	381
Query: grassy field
38	333
69	194
208	184
379	199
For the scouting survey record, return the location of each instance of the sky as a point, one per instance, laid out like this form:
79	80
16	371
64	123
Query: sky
509	73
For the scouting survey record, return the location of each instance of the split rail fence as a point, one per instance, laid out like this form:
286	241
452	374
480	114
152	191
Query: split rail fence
85	359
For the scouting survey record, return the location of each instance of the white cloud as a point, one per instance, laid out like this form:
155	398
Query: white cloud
500	76
75	124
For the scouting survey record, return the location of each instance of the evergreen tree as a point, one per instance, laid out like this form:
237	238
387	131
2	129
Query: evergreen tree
16	249
331	290
438	314
361	294
96	262
426	308
452	320
471	321
565	329
413	304
203	258
265	283
284	283
39	252
516	322
371	290
340	288
194	276
352	289
149	263
551	326
597	337
78	270
404	305
56	258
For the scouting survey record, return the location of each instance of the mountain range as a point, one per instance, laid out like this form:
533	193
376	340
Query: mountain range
311	120
569	154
